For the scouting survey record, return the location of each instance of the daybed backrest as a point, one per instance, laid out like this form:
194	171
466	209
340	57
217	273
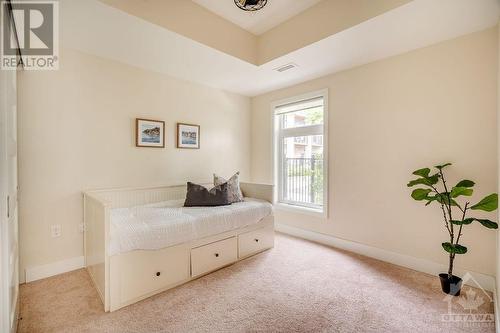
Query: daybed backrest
258	191
119	198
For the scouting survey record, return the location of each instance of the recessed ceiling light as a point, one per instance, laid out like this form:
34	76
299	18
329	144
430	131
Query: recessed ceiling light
286	67
250	5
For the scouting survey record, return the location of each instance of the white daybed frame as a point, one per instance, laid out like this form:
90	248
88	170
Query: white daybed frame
130	277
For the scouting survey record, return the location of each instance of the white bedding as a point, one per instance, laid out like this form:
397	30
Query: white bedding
163	224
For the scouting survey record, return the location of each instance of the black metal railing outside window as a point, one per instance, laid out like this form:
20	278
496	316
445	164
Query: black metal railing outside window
303	183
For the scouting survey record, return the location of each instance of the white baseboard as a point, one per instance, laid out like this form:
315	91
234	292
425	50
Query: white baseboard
487	282
43	271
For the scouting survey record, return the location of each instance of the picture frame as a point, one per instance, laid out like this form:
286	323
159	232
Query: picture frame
149	133
188	136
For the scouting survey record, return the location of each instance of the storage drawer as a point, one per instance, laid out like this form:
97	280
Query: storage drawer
255	241
144	272
212	256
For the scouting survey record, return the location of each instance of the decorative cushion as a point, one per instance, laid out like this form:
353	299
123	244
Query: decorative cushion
234	191
198	195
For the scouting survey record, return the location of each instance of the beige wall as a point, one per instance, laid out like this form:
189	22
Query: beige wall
76	132
498	170
436	104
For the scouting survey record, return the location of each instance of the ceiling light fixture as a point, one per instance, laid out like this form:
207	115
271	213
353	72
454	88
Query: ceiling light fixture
250	5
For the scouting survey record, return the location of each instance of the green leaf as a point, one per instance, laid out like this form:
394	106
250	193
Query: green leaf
433	179
430	200
465	183
464	221
487	223
420	194
424	181
488	203
457	191
443	199
422	172
419	181
440	167
454	248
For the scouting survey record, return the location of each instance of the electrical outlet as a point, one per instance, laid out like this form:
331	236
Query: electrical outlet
82	228
55	230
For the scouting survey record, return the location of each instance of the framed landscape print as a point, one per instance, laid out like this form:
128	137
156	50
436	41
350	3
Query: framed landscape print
188	136
149	133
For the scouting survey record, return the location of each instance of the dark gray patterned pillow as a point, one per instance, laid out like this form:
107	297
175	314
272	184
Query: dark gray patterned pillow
234	191
198	195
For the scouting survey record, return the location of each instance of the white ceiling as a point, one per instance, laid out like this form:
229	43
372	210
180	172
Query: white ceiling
119	36
258	22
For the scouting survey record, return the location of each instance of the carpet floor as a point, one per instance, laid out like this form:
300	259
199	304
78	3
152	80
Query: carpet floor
298	286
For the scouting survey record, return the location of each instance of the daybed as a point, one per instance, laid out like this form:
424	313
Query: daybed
139	242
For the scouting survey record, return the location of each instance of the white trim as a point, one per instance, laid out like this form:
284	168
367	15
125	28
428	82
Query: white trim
495	305
276	151
301	97
282	206
44	271
487	282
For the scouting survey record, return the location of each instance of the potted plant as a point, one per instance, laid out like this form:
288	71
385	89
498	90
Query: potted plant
435	189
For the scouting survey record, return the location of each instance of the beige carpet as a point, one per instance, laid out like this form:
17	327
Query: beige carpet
298	286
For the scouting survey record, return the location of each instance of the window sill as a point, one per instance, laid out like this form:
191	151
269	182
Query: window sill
280	206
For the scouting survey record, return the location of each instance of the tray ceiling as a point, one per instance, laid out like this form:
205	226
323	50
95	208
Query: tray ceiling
134	41
274	13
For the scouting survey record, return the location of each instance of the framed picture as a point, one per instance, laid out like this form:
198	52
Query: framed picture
188	136
149	133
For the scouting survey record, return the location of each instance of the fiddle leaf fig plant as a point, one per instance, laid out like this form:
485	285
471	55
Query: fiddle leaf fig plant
434	188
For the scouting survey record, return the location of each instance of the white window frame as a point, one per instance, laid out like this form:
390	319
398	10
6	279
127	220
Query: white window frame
298	131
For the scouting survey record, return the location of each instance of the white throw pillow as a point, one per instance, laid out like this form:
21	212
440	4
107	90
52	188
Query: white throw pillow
233	186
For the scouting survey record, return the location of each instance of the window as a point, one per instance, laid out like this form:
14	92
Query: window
300	151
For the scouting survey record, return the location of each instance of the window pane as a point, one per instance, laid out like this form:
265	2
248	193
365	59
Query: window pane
307	117
302	181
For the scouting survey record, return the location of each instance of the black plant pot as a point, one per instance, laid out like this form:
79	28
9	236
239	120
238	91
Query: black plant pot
450	286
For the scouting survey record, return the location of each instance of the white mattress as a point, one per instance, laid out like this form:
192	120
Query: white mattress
163	224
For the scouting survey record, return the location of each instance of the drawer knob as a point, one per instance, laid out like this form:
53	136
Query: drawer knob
216	254
158	273
256	240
